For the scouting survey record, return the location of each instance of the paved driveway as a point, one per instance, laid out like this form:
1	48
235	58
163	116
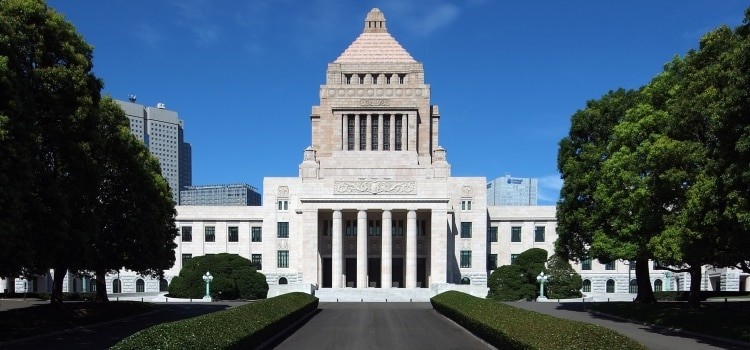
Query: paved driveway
380	326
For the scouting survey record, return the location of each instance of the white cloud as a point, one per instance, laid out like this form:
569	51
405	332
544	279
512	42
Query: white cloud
549	189
148	35
423	17
434	19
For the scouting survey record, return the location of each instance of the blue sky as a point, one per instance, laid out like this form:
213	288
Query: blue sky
507	75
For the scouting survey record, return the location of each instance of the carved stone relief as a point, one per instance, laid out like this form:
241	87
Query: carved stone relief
375	187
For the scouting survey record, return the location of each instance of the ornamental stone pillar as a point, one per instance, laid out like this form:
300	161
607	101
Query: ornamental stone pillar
386	259
362	249
336	250
411	250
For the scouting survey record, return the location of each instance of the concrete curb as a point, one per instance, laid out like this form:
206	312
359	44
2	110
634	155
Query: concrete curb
673	330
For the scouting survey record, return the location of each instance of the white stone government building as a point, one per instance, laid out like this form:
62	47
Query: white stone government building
374	213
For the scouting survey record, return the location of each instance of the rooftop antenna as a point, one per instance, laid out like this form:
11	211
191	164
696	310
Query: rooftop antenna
131	98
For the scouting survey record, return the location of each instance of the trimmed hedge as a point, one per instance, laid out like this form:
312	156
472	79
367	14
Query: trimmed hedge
243	327
507	327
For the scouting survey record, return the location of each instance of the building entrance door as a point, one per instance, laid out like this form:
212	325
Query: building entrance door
398	272
373	273
327	273
421	273
350	272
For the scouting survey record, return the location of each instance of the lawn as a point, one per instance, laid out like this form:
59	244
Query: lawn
46	318
715	319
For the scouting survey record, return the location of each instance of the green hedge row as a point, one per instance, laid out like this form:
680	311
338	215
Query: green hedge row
685	295
507	327
71	296
242	327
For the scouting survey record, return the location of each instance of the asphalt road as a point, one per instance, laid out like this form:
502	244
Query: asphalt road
380	326
651	337
103	336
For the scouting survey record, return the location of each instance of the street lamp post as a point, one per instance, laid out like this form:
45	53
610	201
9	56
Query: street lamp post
208	278
542	279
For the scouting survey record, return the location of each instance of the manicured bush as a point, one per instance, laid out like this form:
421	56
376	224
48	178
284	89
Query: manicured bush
242	327
234	277
564	282
518	280
507	327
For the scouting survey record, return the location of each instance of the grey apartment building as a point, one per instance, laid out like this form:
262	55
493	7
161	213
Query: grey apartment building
162	132
507	190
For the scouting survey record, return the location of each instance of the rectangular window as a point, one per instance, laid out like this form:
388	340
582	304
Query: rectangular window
515	234
386	132
210	233
233	234
350	132
586	264
256	234
401	78
631	263
351	228
283	204
347	79
387	78
282	229
187	233
257	261
609	266
397	228
185	258
361	78
374	78
283	259
465	205
539	234
513	258
363	132
492	262
492	233
373	227
465	230
465	258
398	127
421	228
326	229
374	132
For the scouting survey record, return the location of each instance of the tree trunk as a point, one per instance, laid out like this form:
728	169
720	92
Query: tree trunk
695	285
643	279
57	283
101	287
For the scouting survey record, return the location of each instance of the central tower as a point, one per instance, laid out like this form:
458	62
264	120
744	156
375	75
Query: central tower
375	117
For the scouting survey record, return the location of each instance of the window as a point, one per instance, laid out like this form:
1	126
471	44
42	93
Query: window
374	132
586	264
186	258
283	280
351	228
515	234
388	78
116	286
361	78
163	285
140	286
466	205
363	132
350	132
465	258
397	228
373	227
234	234
282	230
610	286
513	258
466	280
187	233
539	234
398	127
283	204
210	233
257	261
631	264
256	234
492	233
401	78
586	286
347	79
374	78
609	266
421	228
657	285
492	262
283	259
465	230
386	132
633	287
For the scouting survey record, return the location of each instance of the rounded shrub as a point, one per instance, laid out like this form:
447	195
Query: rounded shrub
234	277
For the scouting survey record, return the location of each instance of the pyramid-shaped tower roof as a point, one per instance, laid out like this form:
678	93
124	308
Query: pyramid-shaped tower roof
375	45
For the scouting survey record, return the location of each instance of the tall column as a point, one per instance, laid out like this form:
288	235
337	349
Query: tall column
404	128
439	246
386	258
392	132
356	132
411	250
336	250
344	132
380	132
368	132
362	249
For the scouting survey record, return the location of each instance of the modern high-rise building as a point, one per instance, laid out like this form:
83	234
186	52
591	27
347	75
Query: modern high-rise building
231	194
162	132
507	190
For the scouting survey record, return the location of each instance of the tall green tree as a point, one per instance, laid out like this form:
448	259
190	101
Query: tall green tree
564	281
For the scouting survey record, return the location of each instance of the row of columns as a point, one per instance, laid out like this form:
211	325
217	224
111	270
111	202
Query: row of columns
386	268
368	117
